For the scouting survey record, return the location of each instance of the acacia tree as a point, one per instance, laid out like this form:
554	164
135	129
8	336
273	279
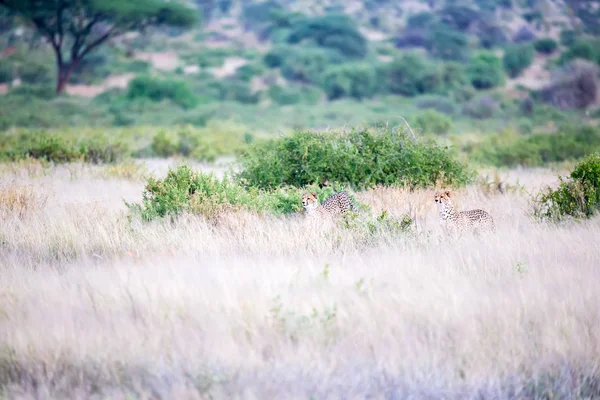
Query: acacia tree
74	28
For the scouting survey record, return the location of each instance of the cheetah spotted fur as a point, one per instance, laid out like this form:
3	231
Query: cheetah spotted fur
461	222
336	204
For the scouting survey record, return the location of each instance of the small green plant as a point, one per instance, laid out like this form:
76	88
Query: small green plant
431	121
517	58
545	46
162	89
485	71
577	196
163	145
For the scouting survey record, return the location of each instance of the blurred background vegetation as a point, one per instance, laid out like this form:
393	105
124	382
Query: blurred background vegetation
506	82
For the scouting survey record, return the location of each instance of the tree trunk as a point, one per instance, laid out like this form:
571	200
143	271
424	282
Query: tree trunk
64	73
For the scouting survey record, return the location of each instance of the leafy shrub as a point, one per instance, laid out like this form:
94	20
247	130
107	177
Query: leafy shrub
431	121
577	196
260	13
337	32
447	43
163	145
276	57
247	72
294	94
481	107
162	89
510	149
306	65
567	37
35	72
485	71
419	20
587	49
411	74
45	92
545	45
350	80
437	103
360	158
6	71
459	17
517	58
57	149
185	190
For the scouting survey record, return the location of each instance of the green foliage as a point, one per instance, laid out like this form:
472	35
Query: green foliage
185	190
420	20
360	158
545	45
350	80
509	149
517	58
54	148
276	56
6	71
447	43
162	145
431	121
411	74
162	89
459	17
485	71
337	32
481	107
307	65
584	48
567	37
577	196
247	72
441	104
294	94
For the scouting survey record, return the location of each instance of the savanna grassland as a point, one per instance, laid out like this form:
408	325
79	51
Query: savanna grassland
97	303
153	157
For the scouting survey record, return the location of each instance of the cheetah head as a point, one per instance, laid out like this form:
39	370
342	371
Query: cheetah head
310	201
442	199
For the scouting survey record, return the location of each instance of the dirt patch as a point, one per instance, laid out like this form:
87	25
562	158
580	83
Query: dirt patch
166	61
112	82
230	65
534	77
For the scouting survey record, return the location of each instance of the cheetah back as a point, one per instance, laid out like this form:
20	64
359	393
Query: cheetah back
337	203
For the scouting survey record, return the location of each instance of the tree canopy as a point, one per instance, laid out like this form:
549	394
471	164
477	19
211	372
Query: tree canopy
74	28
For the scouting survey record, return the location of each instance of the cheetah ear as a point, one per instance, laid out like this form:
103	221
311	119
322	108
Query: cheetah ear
314	194
448	193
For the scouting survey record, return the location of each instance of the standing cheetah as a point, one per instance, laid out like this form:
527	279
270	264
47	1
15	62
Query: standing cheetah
460	222
337	203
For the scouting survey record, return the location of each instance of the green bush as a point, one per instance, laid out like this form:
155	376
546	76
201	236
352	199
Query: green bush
162	89
57	149
306	65
517	58
184	190
545	45
35	73
6	71
277	56
438	103
431	121
584	48
247	72
336	32
485	71
360	158
294	94
350	80
163	145
447	43
577	196
410	75
510	149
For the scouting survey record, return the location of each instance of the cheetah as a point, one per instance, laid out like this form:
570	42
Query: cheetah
336	204
460	222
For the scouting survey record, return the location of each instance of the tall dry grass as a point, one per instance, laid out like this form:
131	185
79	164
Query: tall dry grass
95	305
